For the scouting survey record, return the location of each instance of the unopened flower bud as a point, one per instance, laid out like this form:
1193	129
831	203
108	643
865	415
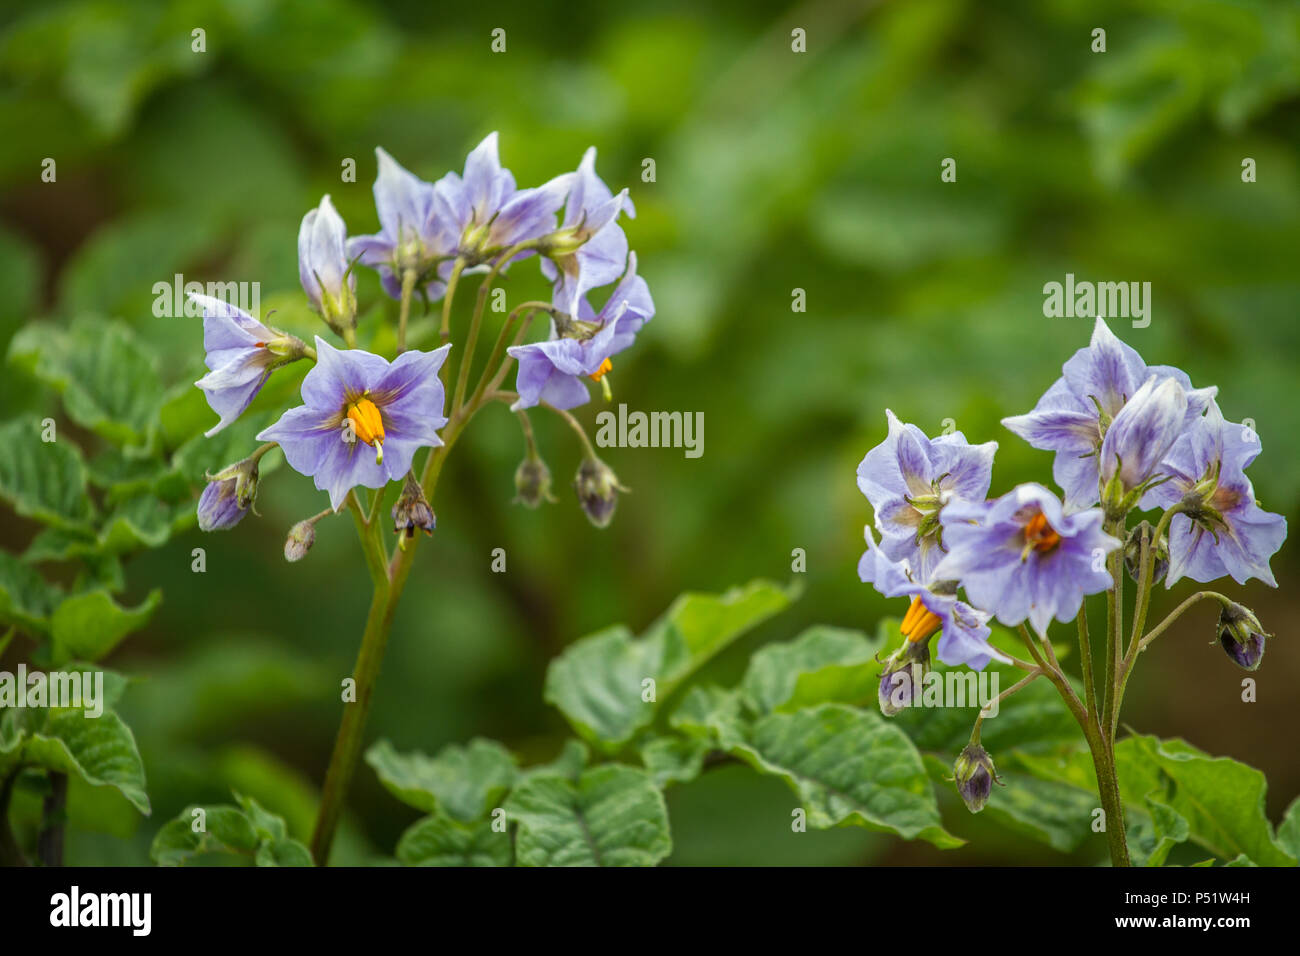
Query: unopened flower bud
597	487
1133	553
1241	635
228	495
533	482
412	512
301	537
975	776
903	677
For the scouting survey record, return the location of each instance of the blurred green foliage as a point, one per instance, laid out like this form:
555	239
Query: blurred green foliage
775	171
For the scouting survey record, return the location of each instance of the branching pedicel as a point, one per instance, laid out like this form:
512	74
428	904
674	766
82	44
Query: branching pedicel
1127	437
365	418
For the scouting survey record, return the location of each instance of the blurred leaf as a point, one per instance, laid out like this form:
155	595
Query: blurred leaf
673	759
438	840
463	782
598	682
611	816
88	626
821	665
247	831
109	383
43	480
100	750
26	600
847	766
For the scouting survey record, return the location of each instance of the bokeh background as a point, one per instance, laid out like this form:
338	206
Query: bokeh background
775	171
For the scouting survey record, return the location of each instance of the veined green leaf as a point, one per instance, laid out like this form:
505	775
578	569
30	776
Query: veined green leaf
612	815
463	782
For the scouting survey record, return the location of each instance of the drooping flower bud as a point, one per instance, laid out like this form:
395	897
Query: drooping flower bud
975	776
1133	552
412	512
904	675
228	495
301	537
1241	635
323	267
533	481
597	487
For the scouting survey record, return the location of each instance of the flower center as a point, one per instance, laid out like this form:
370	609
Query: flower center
605	368
368	425
1039	535
919	622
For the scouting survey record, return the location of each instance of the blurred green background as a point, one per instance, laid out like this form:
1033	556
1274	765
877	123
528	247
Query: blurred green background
775	171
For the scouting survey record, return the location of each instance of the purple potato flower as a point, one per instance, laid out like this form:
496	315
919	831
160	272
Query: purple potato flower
409	236
590	248
1074	415
964	631
241	354
1139	437
1222	529
482	213
323	267
1021	556
363	418
909	479
552	371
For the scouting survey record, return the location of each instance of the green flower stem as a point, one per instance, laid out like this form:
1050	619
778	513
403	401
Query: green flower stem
577	428
1099	745
526	312
453	280
979	720
404	310
471	340
389	574
1085	661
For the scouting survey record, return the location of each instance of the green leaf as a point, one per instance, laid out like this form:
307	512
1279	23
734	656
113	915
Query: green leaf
848	766
138	523
821	665
464	782
88	626
611	816
1288	832
108	381
247	832
43	480
674	759
1151	843
1221	799
26	600
598	682
438	840
100	750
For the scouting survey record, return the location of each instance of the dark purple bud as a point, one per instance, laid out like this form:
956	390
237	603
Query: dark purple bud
597	487
975	776
1241	635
